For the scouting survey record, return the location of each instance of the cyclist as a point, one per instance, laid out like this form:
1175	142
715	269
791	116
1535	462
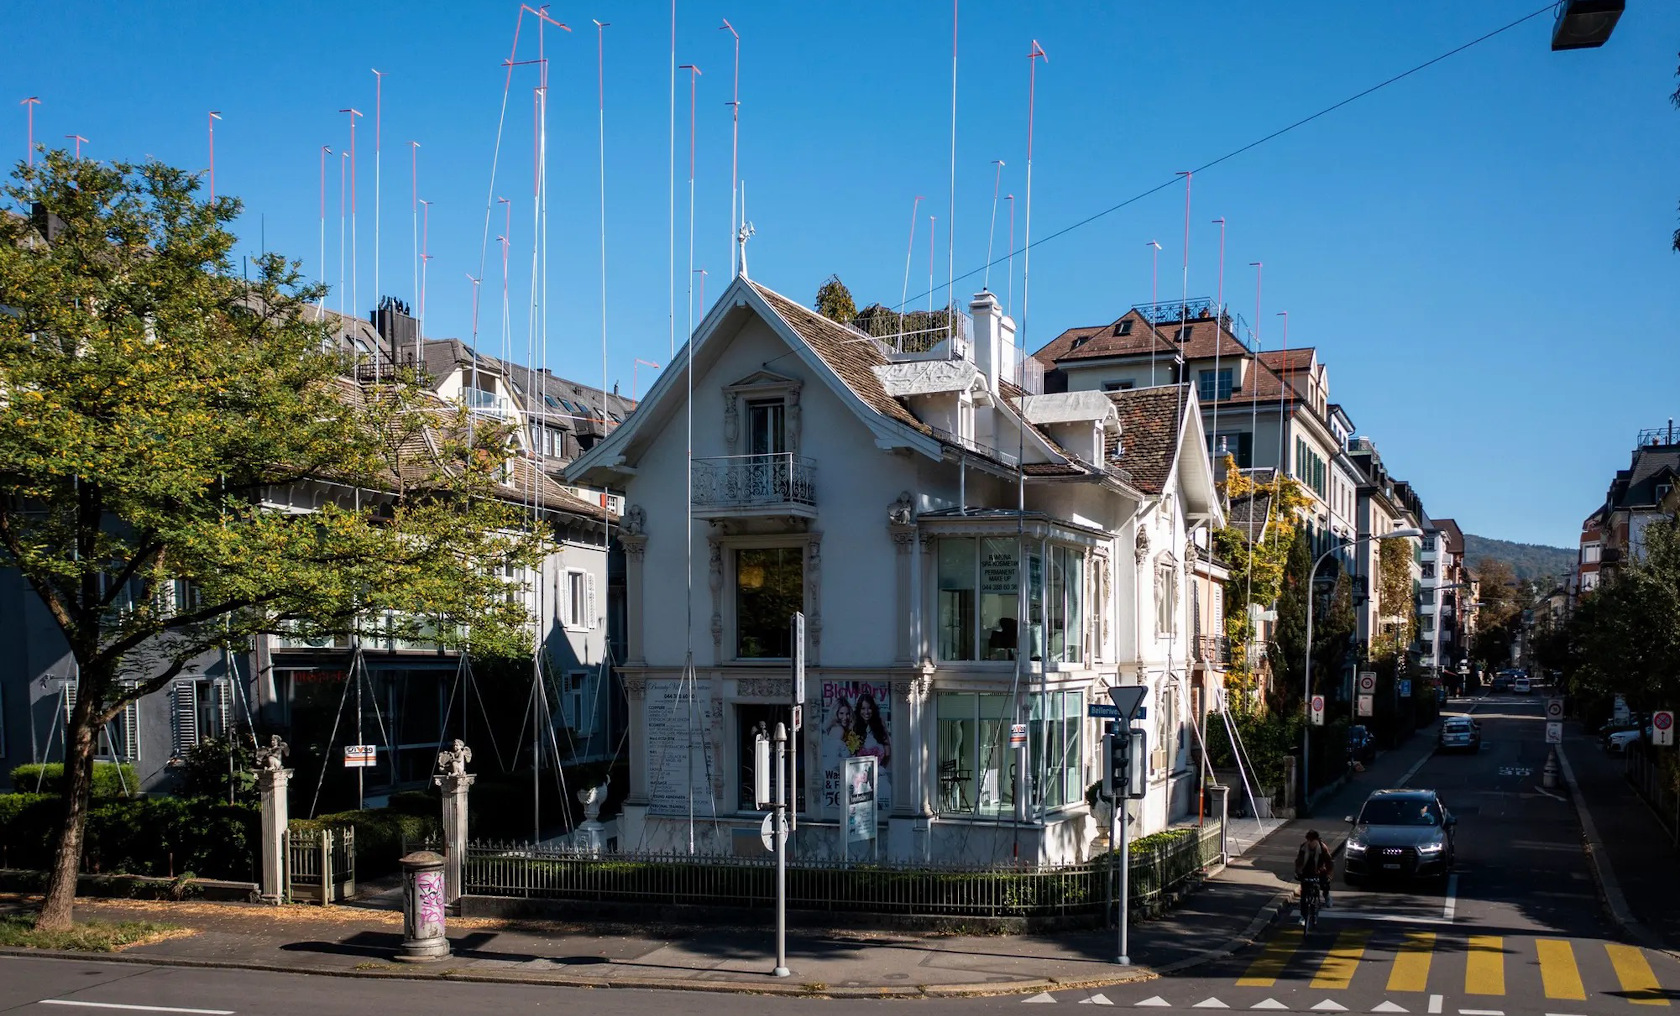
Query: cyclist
1313	860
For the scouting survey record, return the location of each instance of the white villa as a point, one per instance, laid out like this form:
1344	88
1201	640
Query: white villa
892	496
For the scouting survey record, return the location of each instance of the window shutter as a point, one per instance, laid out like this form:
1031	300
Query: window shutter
590	619
186	717
131	731
223	690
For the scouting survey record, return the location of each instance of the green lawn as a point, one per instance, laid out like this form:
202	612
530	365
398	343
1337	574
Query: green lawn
18	930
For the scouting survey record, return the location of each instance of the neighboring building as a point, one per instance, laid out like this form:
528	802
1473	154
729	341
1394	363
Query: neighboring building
1383	505
1591	552
1443	646
907	503
1636	497
285	684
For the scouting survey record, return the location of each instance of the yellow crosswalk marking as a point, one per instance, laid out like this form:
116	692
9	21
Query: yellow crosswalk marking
1484	969
1268	966
1411	964
1634	971
1337	969
1558	972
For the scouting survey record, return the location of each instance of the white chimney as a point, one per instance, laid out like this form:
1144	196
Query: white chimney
994	340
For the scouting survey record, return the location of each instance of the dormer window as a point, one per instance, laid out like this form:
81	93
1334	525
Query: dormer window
1123	327
1079	342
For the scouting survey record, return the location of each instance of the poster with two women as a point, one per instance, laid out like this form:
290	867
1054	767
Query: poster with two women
856	722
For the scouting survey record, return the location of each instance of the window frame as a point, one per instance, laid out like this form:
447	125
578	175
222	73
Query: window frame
801	551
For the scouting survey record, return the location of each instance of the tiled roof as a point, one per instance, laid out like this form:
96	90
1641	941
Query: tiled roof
1149	425
1292	360
851	355
1053	469
1249	513
1095	341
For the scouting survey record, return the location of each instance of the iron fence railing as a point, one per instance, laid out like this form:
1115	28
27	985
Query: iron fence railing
1159	865
1214	650
321	864
742	481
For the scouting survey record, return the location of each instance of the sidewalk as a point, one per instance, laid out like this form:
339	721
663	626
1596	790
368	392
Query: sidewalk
1634	855
1227	912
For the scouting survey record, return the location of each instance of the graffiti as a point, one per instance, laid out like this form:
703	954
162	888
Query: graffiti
428	900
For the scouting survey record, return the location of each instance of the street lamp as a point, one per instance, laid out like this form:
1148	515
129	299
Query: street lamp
1585	24
1306	683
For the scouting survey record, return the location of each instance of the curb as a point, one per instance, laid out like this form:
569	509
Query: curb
1609	888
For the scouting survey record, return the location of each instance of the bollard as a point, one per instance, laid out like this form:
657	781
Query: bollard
423	906
1549	774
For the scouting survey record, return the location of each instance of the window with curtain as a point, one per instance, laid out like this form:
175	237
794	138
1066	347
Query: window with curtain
976	765
1057	719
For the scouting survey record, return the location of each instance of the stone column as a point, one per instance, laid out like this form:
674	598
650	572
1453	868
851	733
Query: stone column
635	689
271	783
904	542
634	540
454	783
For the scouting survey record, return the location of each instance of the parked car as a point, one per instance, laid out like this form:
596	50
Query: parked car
1460	733
1401	834
1522	686
1502	682
1614	727
1361	745
1619	741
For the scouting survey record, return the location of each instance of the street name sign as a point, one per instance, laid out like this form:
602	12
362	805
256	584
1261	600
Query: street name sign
1102	711
1662	728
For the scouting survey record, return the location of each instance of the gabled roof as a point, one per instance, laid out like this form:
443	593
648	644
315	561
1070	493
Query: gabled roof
1250	512
1098	341
1148	440
1291	360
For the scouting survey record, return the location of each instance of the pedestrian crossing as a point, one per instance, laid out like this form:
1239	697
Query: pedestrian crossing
1475	966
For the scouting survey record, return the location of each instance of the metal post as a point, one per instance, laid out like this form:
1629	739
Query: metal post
781	852
1120	798
1306	687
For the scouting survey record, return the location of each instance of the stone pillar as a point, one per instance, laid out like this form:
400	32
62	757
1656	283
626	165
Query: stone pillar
272	781
454	783
423	908
904	540
635	689
633	538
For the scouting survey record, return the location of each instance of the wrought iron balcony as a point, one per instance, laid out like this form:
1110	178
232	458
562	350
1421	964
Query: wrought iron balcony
779	483
1213	651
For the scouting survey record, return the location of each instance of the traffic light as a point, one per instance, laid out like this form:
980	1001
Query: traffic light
1117	775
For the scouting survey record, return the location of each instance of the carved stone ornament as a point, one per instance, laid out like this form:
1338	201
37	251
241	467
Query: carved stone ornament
903	511
635	521
794	428
636	688
592	798
927	377
272	756
1192	553
731	420
918	688
454	761
1142	547
635	547
778	688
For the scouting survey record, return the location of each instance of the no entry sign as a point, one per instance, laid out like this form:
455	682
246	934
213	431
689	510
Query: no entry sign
1318	710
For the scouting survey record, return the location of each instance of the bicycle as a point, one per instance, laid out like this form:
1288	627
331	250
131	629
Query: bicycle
1312	897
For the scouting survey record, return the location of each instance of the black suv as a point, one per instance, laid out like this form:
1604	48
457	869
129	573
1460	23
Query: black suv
1400	834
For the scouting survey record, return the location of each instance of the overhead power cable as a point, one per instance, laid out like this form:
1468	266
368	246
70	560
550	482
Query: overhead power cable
1280	132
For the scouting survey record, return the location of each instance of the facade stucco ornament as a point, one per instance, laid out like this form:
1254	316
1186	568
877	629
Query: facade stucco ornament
793	421
634	547
731	420
927	377
634	522
715	579
777	688
1141	549
918	688
636	688
273	756
1192	553
454	761
813	582
903	511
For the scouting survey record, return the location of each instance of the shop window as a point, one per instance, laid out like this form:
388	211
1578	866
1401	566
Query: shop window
1057	719
976	765
748	716
979	594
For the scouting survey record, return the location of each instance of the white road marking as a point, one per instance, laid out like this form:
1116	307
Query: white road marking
1154	1000
1435	1003
1413	771
1388	1006
1378	915
1548	793
1329	1006
1270	1003
1097	999
1450	908
1210	1003
1041	997
134	1008
1481	1012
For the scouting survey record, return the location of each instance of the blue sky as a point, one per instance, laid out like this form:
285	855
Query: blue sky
1479	252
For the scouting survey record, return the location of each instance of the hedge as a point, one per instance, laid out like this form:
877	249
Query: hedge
158	836
48	778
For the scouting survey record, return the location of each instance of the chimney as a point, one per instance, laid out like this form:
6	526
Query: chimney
46	223
994	341
399	329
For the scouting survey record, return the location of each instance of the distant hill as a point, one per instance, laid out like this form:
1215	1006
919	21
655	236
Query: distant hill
1528	560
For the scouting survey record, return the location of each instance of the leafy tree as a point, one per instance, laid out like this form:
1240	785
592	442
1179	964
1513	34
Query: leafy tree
834	301
1625	637
1257	566
151	398
1396	602
1498	613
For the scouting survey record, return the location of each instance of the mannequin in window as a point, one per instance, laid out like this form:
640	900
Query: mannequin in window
1000	641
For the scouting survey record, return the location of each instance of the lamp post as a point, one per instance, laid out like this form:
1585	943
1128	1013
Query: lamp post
1306	681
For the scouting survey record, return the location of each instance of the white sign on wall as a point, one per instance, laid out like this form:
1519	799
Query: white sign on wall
673	741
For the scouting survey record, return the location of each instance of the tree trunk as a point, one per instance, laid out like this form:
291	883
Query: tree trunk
56	911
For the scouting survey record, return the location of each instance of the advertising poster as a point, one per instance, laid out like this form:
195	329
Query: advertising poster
856	723
860	799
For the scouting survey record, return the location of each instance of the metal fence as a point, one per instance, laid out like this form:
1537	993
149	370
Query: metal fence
1159	865
321	864
1657	787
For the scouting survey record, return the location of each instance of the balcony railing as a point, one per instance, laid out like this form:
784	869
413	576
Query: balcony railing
1214	651
776	480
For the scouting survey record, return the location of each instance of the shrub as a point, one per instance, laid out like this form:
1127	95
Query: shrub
109	779
159	836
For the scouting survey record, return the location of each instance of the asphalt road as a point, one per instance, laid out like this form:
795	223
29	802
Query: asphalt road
1516	931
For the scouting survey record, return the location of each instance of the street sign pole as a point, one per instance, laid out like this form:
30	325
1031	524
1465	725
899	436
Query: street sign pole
1122	807
798	713
781	852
